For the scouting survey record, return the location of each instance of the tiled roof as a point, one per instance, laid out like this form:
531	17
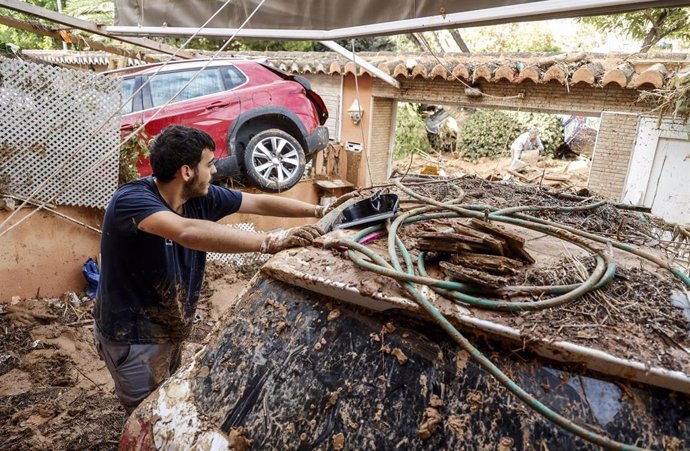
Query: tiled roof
634	71
627	71
76	58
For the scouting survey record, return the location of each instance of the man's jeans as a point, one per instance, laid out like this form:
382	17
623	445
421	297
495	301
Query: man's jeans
137	369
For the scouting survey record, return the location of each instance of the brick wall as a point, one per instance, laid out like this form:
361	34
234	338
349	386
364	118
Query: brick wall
381	138
612	153
549	98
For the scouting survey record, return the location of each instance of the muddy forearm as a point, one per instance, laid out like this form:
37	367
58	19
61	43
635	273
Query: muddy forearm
212	237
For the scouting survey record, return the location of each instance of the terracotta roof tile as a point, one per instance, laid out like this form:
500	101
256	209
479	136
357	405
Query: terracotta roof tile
597	70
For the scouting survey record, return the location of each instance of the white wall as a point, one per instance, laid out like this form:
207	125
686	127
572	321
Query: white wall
659	174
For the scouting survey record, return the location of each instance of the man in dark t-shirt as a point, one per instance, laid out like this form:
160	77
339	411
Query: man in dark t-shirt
156	233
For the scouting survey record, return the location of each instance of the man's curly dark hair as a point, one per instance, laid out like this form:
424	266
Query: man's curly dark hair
175	147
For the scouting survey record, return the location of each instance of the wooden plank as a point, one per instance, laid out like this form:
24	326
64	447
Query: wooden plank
514	241
497	230
79	41
473	276
72	22
497	245
448	237
431	245
484	262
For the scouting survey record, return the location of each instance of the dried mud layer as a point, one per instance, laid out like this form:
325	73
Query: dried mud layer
632	317
55	392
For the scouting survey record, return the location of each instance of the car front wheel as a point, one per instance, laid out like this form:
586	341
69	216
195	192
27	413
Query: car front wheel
274	161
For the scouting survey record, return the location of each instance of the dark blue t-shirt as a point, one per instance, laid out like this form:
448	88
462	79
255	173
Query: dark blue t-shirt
149	286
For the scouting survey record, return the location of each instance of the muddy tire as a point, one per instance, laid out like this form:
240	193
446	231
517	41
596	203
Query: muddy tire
274	161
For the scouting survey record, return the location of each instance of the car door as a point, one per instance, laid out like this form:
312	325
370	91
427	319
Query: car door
206	104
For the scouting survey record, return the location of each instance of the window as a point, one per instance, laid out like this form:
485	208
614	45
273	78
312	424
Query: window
234	77
165	86
127	90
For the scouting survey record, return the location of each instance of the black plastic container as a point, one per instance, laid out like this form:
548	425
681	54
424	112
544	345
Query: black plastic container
376	208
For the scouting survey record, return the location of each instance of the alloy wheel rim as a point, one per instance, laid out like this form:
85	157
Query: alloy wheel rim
275	159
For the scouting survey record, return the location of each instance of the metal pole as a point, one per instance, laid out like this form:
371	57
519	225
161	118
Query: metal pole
59	5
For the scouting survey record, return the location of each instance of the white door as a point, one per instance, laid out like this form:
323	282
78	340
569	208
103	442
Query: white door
668	191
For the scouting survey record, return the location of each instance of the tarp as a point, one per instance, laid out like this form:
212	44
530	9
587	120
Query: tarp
331	19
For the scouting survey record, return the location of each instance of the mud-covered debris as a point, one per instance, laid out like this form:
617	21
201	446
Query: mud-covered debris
423	381
435	401
457	424
506	444
375	337
345	416
388	328
238	442
338	441
280	327
430	420
461	359
333	399
333	315
317	346
476	400
400	355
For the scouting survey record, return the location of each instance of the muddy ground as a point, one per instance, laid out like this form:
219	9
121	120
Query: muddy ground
576	171
55	393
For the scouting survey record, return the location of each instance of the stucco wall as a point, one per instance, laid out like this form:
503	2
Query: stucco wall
45	254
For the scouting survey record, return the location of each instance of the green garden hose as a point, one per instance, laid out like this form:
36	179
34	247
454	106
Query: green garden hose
462	293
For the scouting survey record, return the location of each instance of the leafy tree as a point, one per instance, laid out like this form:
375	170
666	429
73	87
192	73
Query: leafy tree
513	37
649	26
25	39
410	133
95	11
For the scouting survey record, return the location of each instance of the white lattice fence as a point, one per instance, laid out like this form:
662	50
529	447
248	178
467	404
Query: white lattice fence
49	116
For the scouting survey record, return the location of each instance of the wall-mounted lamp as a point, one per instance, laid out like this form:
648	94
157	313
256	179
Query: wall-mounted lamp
355	112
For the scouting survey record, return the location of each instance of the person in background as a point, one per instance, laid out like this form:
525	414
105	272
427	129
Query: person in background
526	141
156	232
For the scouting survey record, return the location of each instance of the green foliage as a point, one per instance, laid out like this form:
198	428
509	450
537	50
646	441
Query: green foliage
550	129
488	133
130	151
410	133
512	37
648	26
25	39
95	11
261	45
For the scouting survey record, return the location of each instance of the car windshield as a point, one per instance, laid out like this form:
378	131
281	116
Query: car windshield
165	86
127	90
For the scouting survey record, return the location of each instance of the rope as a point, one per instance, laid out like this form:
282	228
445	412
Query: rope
365	147
457	292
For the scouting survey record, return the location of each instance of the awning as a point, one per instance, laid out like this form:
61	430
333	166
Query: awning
329	19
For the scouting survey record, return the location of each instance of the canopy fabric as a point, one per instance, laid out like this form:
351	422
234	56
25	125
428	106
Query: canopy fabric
330	19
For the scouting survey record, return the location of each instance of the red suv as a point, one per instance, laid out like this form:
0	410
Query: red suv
265	123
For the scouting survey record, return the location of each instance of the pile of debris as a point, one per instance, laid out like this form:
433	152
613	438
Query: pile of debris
481	253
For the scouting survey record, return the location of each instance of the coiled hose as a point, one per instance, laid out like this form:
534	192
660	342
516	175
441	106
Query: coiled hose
602	273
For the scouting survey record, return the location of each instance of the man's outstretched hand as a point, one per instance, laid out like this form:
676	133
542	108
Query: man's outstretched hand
297	237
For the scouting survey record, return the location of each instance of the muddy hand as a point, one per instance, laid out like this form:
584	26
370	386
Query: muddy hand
297	237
